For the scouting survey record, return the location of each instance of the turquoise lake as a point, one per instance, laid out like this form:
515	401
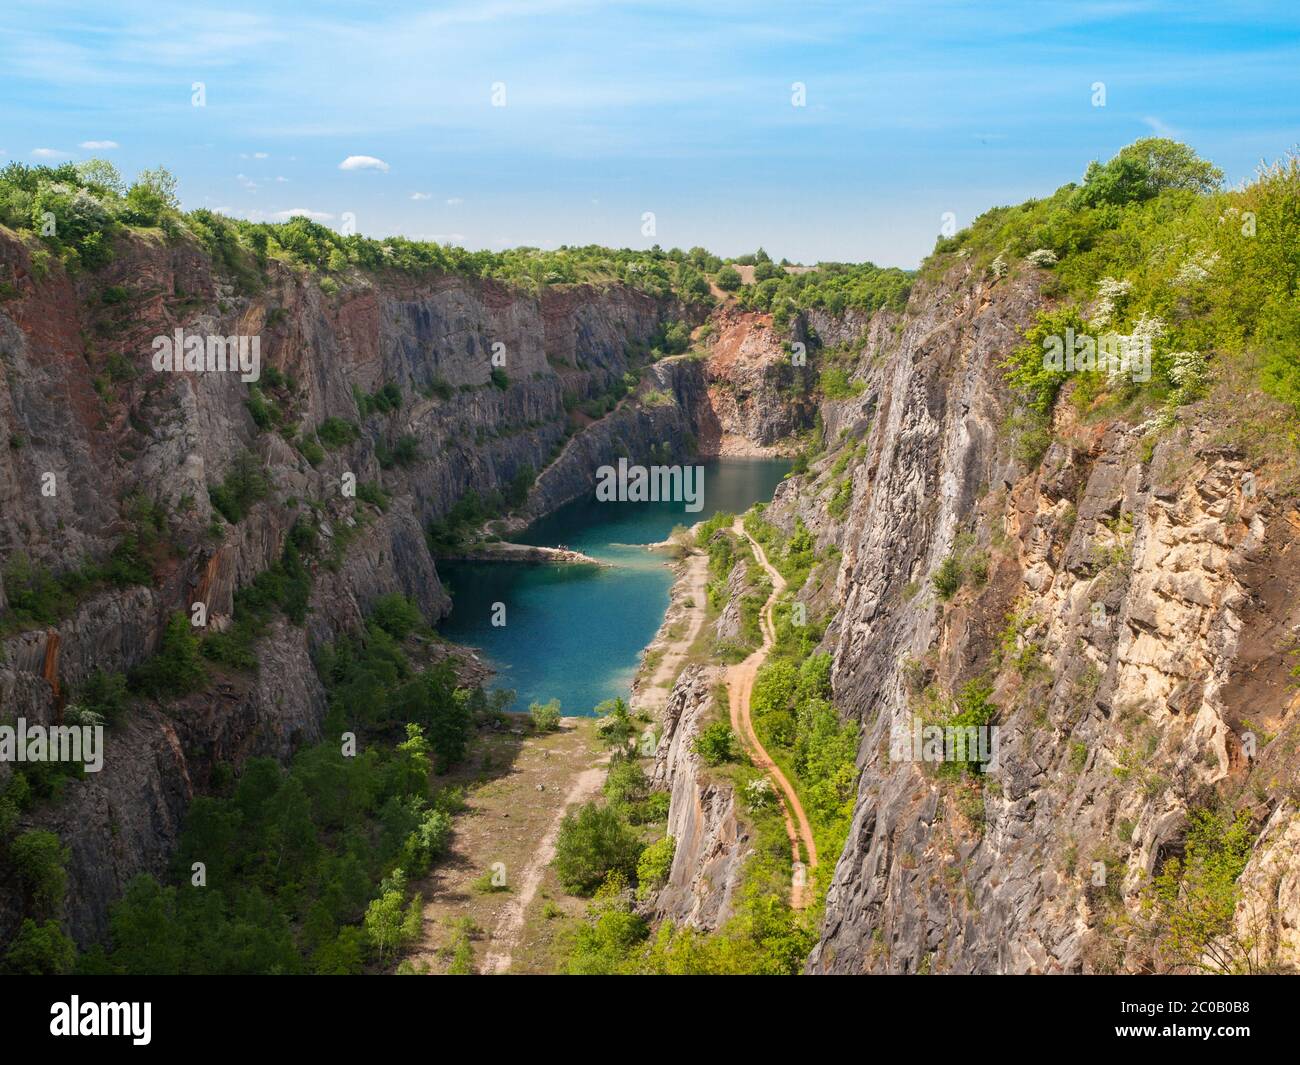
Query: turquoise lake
576	633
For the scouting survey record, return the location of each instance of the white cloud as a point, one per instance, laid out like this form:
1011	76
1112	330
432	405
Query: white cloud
282	180
363	162
50	153
302	212
419	195
1160	128
455	201
99	146
246	181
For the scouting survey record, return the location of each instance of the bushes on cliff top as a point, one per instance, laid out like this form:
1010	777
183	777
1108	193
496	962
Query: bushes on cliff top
89	203
1150	244
76	208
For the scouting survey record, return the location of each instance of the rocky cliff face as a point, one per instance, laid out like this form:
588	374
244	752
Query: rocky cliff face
1129	609
759	392
1129	604
91	432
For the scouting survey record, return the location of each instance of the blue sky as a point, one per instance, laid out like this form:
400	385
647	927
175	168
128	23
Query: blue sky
615	109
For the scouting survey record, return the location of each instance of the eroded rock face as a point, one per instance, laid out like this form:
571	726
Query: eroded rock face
758	395
81	401
711	846
1128	618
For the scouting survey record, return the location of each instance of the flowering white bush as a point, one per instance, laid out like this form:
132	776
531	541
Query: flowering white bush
1110	294
1042	257
1196	269
1148	329
999	267
1166	418
1188	369
758	794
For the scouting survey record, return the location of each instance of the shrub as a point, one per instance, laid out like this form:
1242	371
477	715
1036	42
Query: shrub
626	782
39	858
592	844
334	432
177	668
40	950
370	492
391	924
517	492
245	484
615	725
948	578
427	842
104	694
716	744
654	865
835	384
545	716
1191	901
729	279
1027	367
397	615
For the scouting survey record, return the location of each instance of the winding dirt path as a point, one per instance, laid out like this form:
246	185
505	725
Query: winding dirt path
506	934
740	686
675	651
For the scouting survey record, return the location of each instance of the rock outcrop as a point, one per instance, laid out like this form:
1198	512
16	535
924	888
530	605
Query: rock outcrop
1127	603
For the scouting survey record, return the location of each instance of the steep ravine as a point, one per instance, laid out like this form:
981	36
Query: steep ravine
79	399
1134	610
1135	603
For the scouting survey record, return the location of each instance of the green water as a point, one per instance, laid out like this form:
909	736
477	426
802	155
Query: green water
576	633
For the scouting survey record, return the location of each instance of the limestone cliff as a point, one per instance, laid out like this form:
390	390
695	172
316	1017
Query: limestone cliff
1130	601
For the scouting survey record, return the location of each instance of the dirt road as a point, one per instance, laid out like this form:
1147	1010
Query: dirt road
740	687
676	650
511	922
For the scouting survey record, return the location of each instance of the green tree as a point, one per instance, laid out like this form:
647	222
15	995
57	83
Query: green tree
592	844
1191	902
397	615
40	858
40	950
716	744
654	865
545	716
177	668
385	923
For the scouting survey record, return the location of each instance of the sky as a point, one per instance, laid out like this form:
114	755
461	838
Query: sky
496	123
